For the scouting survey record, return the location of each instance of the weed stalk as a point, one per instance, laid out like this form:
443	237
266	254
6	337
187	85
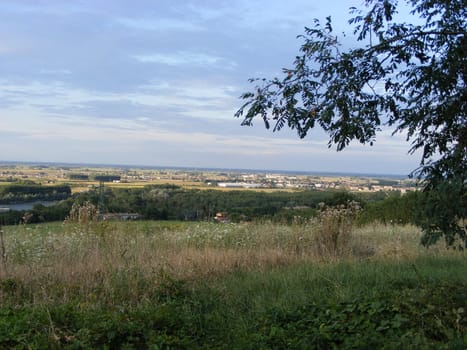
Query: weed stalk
3	251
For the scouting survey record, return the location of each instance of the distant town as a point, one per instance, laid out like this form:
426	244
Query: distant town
82	177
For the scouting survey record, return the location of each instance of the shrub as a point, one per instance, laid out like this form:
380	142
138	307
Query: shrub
334	228
83	213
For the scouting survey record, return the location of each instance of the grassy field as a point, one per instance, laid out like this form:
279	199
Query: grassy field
178	285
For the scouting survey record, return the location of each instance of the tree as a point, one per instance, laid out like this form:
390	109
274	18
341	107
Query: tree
409	77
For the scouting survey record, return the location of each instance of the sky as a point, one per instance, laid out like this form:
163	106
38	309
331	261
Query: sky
157	83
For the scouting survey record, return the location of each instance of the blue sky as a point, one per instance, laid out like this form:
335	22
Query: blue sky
157	82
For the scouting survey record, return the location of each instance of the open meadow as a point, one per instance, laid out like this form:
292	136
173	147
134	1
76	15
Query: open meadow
179	285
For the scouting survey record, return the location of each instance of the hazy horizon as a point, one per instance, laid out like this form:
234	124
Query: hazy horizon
185	168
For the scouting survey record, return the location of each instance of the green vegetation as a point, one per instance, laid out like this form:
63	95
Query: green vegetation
170	202
81	177
20	193
394	209
182	285
107	178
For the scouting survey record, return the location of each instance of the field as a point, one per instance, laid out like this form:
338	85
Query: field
174	285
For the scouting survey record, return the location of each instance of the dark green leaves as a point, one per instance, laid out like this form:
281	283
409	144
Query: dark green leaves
410	77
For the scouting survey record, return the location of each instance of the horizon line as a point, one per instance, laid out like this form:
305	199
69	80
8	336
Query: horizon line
159	167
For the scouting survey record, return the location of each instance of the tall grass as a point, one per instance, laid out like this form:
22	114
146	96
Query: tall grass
108	263
143	285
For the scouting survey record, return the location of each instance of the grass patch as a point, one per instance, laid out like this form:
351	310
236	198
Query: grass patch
172	285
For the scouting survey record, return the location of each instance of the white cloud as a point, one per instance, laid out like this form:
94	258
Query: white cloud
55	71
159	24
188	59
179	58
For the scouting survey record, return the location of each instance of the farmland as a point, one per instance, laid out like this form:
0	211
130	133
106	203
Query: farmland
83	177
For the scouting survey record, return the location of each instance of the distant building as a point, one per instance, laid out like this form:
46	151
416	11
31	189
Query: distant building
238	185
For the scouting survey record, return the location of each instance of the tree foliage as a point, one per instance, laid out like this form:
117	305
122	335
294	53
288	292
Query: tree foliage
32	192
410	77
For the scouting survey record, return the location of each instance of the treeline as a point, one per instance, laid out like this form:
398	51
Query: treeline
393	209
21	193
73	176
170	202
99	177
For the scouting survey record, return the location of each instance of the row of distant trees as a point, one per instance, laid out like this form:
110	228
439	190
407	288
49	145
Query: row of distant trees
21	193
103	178
170	202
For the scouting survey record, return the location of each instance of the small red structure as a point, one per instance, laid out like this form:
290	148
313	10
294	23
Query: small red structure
221	217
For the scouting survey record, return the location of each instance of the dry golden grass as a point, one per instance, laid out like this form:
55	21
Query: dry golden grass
72	260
